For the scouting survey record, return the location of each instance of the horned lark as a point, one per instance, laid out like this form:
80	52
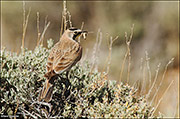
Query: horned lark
65	54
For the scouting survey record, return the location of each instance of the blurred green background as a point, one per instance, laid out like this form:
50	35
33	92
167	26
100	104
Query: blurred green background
155	31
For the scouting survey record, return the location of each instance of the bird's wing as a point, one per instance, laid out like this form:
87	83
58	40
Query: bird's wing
64	57
51	57
69	58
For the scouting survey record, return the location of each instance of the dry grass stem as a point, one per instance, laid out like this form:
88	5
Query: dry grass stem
64	20
106	62
82	25
65	14
144	79
61	31
96	50
16	109
83	59
129	56
25	23
154	82
43	33
148	67
38	28
162	79
45	22
137	82
41	103
162	97
25	112
69	16
122	67
110	53
128	53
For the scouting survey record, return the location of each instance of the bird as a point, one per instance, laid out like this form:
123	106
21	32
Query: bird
62	57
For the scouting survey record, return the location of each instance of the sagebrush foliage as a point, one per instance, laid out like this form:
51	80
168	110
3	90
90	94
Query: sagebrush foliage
86	94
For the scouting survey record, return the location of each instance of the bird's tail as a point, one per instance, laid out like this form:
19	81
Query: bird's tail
46	92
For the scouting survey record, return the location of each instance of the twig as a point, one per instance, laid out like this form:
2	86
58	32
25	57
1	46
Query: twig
28	113
82	25
16	109
38	29
110	53
162	96
61	31
64	14
122	67
128	53
84	57
42	103
148	67
25	23
98	49
64	21
71	95
154	82
140	74
69	16
38	115
106	62
43	33
144	79
162	79
95	49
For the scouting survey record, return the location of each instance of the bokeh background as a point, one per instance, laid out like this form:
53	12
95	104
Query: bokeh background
155	31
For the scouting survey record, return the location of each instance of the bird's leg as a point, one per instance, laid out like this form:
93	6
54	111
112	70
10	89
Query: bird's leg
67	82
63	80
67	73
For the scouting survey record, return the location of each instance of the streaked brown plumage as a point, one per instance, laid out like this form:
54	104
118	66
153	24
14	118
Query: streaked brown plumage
65	54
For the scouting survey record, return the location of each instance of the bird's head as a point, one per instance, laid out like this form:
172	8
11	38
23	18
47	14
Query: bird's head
74	33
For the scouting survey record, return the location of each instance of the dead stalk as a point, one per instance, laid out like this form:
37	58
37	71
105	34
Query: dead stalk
64	14
16	109
69	16
162	79
96	50
110	53
148	67
144	79
64	20
154	82
128	53
28	113
82	25
61	31
137	82
38	29
162	97
25	23
43	33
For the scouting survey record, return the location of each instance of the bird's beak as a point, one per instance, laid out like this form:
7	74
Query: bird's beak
84	34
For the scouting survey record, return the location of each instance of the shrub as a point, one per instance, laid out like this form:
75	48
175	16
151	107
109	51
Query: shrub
86	93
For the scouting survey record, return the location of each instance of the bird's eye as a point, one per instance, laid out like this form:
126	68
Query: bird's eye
75	32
